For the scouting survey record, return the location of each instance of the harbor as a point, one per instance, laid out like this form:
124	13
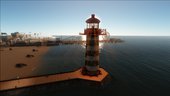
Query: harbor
127	64
84	48
90	71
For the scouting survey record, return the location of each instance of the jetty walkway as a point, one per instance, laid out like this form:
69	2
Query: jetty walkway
26	82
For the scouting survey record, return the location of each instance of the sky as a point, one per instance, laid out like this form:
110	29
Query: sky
57	17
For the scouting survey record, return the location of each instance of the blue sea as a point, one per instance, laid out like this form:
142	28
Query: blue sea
140	66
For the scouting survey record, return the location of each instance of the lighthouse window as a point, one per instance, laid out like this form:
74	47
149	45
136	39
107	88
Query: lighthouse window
91	25
95	25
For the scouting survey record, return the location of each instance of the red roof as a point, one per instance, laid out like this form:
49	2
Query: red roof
92	19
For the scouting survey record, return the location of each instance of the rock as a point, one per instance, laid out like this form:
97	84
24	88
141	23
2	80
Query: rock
28	55
20	65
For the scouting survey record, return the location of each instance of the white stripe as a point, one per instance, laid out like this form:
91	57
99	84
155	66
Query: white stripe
92	68
92	58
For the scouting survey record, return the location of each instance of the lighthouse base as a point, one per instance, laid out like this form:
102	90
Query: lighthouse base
90	73
99	76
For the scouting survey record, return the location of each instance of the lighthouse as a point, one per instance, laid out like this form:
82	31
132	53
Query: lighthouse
92	33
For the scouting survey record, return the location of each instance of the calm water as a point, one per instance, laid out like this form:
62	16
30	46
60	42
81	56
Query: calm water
139	67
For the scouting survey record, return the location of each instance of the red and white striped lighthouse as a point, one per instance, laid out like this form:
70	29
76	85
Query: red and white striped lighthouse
92	33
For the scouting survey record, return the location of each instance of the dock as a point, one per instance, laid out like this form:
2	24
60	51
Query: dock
32	81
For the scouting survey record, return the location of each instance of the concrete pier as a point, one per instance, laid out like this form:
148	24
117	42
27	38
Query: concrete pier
26	82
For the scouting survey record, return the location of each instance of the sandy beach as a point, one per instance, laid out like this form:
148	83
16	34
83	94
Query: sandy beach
9	59
13	76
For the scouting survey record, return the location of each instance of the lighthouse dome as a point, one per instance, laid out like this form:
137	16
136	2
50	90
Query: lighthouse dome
93	19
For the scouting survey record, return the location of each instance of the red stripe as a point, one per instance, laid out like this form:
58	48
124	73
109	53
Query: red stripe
91	63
